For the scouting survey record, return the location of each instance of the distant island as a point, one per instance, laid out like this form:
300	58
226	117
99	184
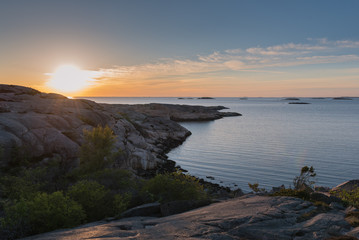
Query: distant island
205	98
291	99
342	98
298	103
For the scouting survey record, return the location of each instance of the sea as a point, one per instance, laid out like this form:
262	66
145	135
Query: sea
270	142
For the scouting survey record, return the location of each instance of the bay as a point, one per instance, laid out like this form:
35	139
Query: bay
271	142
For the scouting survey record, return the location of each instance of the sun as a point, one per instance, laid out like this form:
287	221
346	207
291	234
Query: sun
70	79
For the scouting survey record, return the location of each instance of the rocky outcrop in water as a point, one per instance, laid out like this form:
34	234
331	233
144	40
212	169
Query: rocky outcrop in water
178	113
248	217
205	98
291	99
298	103
342	98
43	126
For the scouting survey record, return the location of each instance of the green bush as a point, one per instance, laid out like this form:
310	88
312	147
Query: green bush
94	198
304	180
114	179
256	189
303	185
175	186
303	194
16	159
44	212
27	183
121	202
97	150
350	198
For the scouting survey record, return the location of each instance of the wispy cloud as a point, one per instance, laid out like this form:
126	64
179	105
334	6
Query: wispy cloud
272	59
347	44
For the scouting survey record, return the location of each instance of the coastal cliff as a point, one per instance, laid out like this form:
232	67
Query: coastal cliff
44	126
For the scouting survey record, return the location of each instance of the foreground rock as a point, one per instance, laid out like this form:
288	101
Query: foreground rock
248	217
43	126
347	186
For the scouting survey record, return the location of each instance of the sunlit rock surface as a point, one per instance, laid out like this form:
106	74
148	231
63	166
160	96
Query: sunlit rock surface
248	217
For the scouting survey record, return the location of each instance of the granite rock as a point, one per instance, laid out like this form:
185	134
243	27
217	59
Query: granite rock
45	125
247	217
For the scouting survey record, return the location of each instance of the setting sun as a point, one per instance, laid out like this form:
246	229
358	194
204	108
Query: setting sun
69	78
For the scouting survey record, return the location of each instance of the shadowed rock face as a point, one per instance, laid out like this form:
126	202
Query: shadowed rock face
44	125
248	217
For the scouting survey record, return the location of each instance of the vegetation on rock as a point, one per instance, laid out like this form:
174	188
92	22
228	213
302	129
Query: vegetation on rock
93	197
255	188
50	196
97	151
303	185
174	186
43	212
304	180
350	198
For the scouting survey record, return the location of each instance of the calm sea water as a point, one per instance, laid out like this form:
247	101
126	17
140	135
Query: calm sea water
271	142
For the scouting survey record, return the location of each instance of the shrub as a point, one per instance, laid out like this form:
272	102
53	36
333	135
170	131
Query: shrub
256	189
29	181
350	198
114	179
16	159
44	212
303	185
303	194
304	180
97	150
93	197
121	202
175	186
25	185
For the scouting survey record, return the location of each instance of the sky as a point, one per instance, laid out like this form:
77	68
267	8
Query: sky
186	48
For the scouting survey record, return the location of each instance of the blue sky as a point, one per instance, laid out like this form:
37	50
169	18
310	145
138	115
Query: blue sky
185	48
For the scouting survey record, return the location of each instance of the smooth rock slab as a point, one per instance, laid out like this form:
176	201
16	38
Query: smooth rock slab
248	217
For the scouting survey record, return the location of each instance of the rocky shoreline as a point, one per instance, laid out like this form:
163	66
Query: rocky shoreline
45	126
246	217
50	126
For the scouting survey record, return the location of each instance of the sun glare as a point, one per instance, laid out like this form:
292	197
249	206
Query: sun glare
70	79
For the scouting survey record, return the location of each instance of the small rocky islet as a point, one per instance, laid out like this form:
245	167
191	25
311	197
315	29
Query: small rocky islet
51	126
298	103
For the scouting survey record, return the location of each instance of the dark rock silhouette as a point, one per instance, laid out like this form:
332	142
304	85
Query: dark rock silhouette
298	103
291	99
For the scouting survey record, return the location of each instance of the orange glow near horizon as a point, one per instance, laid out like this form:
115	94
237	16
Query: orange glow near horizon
70	79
